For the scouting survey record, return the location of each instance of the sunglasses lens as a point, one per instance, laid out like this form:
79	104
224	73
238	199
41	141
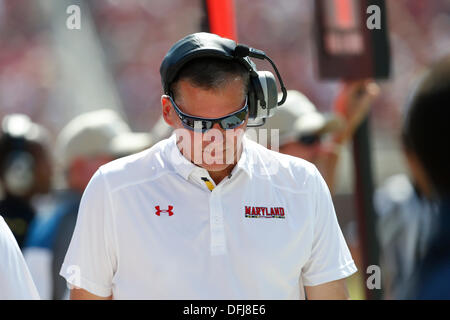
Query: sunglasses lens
233	121
198	125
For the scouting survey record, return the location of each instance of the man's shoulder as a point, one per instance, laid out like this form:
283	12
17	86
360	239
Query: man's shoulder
7	240
145	165
287	162
281	169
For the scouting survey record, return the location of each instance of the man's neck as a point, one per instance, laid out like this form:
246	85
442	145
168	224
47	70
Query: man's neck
218	176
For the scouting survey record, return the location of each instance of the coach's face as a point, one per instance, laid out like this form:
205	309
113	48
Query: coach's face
216	149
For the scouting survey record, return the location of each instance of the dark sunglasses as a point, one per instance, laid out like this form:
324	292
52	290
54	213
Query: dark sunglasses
310	139
230	121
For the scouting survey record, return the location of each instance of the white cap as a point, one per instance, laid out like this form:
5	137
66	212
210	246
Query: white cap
100	132
298	117
130	142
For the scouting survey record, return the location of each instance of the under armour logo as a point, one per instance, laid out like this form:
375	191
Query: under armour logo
169	211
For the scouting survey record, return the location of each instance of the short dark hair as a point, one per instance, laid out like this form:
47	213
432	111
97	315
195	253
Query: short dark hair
210	73
426	131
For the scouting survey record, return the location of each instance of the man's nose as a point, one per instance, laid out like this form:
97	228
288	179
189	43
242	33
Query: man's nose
216	134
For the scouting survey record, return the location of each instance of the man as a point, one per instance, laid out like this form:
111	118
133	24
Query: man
425	138
207	214
84	144
15	279
25	171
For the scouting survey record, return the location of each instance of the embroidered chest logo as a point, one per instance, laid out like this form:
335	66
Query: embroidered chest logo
168	211
264	212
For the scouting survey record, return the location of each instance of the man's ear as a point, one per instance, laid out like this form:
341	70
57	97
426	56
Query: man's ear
167	111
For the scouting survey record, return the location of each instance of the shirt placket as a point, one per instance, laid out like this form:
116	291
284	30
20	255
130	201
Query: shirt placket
217	227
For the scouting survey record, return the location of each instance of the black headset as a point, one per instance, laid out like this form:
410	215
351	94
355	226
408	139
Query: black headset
262	91
17	164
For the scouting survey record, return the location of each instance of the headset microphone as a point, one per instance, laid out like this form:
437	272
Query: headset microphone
245	51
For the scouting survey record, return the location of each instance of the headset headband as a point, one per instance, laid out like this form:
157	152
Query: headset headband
194	46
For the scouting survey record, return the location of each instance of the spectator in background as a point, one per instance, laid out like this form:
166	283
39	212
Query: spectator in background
25	171
302	129
404	223
425	137
15	279
84	144
405	217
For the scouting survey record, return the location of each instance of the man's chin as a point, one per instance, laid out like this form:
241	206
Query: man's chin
215	167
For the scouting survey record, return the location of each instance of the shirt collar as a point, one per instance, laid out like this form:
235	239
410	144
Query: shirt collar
185	168
180	164
245	161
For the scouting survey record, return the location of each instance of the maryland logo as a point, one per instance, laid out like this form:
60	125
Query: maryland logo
264	212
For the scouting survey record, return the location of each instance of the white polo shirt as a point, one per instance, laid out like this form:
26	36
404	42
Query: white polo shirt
150	228
15	278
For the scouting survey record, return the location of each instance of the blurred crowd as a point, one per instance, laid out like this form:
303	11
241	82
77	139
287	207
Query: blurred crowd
29	68
43	218
47	160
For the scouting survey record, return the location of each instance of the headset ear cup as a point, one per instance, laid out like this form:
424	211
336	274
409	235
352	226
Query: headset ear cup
264	95
258	100
259	93
252	101
270	92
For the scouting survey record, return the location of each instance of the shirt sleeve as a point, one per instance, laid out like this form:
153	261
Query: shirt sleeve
330	258
90	261
16	282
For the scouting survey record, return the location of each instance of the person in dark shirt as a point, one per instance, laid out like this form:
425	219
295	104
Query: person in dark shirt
426	138
25	171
